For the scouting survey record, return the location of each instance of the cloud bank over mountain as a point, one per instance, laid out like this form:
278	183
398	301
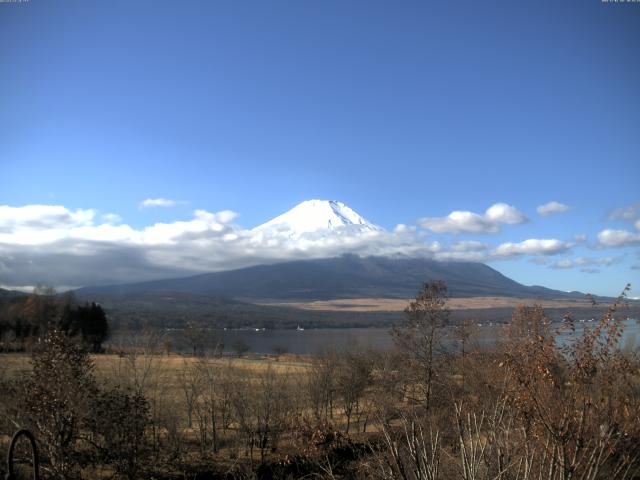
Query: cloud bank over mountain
54	245
57	246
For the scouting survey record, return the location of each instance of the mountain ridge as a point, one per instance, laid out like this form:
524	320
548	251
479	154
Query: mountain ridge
346	276
4	293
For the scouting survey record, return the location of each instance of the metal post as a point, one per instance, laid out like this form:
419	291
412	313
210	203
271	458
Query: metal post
34	454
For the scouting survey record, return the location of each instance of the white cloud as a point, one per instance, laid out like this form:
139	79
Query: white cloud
461	256
460	222
567	263
621	237
617	238
468	222
552	208
590	270
225	216
503	213
32	217
159	202
532	246
539	261
111	218
469	246
402	228
628	213
580	238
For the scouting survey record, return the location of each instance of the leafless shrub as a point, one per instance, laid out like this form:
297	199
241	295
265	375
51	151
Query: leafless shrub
407	453
56	400
117	426
574	401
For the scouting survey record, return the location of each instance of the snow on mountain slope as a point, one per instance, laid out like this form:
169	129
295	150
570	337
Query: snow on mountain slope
317	217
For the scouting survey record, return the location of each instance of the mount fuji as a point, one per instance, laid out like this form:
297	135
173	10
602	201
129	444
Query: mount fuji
353	275
317	218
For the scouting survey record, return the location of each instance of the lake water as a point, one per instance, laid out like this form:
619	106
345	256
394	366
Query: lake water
312	341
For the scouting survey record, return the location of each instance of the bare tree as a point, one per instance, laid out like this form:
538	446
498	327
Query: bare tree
140	369
227	387
321	384
196	337
190	380
419	335
353	376
139	360
464	334
210	401
261	407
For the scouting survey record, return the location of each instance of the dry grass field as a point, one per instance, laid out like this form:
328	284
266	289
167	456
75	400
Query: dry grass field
175	387
146	413
109	368
399	304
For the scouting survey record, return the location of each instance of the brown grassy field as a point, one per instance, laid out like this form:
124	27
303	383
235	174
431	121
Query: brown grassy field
399	304
341	414
15	364
164	380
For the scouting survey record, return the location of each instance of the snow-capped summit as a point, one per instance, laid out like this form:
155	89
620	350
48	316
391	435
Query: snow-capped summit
317	216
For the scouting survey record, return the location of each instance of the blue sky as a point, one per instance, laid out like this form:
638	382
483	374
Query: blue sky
402	110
